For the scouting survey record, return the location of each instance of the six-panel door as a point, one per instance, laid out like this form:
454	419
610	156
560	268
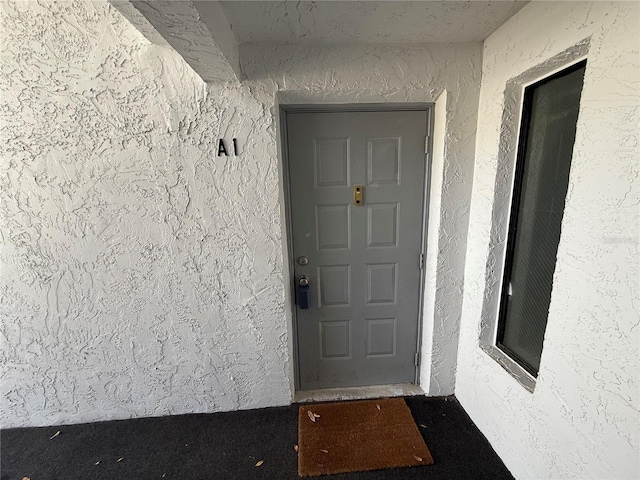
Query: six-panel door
363	260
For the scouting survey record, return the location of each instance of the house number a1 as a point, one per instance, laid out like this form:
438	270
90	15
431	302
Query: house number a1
222	148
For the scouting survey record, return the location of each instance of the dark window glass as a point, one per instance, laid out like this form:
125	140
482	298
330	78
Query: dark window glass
547	135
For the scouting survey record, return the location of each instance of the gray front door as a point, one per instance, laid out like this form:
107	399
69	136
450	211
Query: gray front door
363	258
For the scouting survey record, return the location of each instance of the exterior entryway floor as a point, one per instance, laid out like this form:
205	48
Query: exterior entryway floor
229	445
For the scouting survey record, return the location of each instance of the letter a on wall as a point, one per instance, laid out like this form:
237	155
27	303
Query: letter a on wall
222	149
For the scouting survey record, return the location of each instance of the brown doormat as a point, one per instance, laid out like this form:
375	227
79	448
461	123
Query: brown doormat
358	436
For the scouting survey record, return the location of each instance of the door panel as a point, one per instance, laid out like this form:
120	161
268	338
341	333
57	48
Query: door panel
361	327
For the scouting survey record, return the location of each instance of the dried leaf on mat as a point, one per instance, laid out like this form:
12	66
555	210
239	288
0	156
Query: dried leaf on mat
54	435
312	416
423	425
97	463
120	459
26	478
260	462
295	447
378	406
323	450
417	458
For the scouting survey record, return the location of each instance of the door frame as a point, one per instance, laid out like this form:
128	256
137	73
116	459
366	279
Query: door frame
285	109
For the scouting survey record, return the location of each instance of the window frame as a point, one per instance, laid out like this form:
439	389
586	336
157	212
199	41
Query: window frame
503	171
516	198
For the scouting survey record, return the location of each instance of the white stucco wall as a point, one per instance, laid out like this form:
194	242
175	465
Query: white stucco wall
140	273
582	420
432	339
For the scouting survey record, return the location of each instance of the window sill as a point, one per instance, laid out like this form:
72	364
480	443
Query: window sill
516	371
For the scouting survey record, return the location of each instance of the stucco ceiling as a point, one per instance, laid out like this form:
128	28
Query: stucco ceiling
365	21
208	34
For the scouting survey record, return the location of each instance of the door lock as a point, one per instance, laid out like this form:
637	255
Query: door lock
303	260
304	293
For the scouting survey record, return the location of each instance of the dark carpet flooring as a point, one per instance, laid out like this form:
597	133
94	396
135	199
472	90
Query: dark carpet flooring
228	446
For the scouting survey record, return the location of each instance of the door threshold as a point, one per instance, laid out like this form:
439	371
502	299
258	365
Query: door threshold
357	393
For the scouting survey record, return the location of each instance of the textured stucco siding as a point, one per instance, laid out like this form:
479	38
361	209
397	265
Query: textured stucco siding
140	273
582	420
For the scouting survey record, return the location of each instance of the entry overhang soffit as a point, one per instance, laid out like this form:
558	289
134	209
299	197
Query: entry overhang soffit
207	34
198	31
